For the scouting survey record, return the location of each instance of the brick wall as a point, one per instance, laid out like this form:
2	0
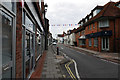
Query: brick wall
111	38
19	42
117	30
76	38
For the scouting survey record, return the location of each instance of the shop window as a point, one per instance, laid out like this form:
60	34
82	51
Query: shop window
96	42
10	5
104	23
6	37
90	42
29	23
82	42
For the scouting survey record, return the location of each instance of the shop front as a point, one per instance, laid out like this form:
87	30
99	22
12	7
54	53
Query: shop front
7	26
28	44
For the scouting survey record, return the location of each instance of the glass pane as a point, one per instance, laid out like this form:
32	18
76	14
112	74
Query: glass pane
27	68
6	38
27	44
106	43
7	43
10	5
7	73
23	18
29	23
103	42
32	45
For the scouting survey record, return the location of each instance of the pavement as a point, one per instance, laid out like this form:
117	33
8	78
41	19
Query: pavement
51	68
114	57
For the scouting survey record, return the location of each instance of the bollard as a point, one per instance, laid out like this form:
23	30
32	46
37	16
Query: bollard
57	51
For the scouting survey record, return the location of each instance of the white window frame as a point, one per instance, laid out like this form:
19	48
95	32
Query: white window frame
104	24
106	49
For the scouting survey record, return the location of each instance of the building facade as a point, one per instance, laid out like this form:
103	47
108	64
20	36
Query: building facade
99	30
23	37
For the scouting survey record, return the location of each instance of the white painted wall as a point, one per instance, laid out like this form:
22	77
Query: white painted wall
72	38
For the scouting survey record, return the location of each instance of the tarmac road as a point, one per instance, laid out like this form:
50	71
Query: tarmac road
90	66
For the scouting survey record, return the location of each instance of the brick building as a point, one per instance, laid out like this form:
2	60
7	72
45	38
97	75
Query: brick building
23	37
99	30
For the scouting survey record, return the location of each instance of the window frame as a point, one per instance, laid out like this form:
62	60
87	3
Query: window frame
101	22
95	40
90	42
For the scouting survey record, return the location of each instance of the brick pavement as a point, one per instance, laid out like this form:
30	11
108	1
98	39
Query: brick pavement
51	68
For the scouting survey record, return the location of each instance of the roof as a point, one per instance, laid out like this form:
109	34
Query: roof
60	35
109	10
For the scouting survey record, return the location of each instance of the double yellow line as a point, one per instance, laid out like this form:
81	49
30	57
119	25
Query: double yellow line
69	70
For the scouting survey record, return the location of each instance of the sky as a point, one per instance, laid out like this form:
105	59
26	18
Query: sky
69	12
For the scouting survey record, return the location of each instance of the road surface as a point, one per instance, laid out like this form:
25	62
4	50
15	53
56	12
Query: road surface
90	66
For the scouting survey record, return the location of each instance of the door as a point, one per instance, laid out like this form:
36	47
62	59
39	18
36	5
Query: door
28	53
7	45
105	43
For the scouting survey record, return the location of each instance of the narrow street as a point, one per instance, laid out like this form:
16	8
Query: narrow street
59	39
90	66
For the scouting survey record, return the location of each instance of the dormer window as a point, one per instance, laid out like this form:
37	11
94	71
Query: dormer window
81	23
85	20
90	17
95	12
118	6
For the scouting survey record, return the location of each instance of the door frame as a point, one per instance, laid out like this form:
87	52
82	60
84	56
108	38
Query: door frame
105	49
4	9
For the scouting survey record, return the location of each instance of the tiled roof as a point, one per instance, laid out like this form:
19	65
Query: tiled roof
109	10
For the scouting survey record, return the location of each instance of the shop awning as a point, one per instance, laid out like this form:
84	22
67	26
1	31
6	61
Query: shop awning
82	37
99	34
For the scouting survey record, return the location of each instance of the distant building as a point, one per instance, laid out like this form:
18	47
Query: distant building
60	38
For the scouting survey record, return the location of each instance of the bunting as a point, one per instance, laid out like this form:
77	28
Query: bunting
65	25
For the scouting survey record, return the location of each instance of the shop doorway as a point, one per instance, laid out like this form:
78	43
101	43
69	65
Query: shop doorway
105	43
8	45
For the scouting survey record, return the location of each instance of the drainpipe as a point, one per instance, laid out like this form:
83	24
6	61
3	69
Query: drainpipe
114	45
97	31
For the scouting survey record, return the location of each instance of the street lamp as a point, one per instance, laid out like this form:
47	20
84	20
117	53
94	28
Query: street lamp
46	29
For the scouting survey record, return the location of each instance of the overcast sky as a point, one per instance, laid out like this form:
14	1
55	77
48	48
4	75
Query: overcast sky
69	12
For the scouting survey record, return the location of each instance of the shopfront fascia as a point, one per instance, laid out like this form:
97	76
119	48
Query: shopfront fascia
99	34
8	39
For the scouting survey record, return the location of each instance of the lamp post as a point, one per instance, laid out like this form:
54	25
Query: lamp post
46	29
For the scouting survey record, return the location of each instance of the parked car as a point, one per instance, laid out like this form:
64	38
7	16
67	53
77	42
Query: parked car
54	43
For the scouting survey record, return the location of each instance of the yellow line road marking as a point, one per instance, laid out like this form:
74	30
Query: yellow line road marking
69	70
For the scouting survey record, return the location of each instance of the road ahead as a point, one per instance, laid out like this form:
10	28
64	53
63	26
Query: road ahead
90	66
